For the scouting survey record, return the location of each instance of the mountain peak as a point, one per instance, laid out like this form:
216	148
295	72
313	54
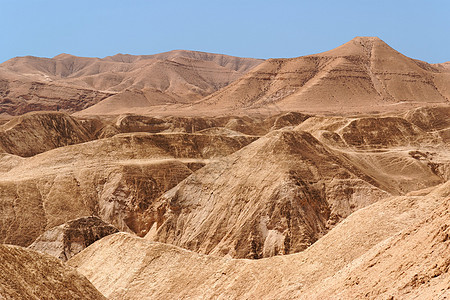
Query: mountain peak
63	56
360	46
367	39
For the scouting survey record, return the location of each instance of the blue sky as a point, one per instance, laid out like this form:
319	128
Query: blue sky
262	29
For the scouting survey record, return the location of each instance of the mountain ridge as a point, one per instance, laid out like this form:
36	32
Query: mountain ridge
362	75
60	83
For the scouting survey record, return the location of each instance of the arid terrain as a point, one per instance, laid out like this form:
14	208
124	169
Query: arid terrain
121	82
190	175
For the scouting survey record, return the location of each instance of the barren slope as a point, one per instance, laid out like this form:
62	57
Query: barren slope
413	264
126	267
275	196
363	75
315	184
19	95
71	83
26	274
68	239
239	64
115	178
286	190
281	193
38	132
224	125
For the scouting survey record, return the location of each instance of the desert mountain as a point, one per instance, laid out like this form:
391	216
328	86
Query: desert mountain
363	75
301	178
281	193
71	83
404	238
27	274
116	178
238	64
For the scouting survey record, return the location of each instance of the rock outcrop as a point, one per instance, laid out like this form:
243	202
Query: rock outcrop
68	239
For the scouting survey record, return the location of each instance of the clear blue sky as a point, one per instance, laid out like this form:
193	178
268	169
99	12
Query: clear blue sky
262	29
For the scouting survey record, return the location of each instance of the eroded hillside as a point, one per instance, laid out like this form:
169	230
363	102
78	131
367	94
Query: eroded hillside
26	274
319	177
241	186
361	76
386	237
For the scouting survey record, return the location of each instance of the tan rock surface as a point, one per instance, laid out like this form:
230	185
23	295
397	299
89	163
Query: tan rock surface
255	125
115	178
281	193
275	196
383	243
20	94
68	239
287	188
363	75
38	132
71	83
311	166
384	146
27	274
412	264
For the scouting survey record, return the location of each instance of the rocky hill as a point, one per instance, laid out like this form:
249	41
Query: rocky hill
395	248
284	191
69	83
363	75
116	178
318	177
283	187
